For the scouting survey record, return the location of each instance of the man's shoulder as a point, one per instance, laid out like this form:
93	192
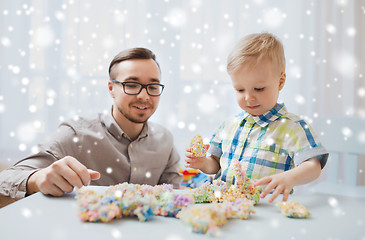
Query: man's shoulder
157	129
79	122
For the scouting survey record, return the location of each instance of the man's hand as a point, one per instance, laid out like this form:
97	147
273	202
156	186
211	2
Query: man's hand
60	177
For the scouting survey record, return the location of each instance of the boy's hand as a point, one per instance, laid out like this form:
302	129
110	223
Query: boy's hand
280	183
284	182
60	177
195	162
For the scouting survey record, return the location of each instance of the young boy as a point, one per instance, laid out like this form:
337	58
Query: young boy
274	146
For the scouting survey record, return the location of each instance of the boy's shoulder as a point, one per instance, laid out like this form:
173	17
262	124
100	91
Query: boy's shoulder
293	121
234	119
292	117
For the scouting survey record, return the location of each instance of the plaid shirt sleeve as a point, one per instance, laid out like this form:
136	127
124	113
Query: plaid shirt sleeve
305	144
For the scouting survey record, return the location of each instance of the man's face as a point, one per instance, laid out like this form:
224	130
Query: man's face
134	108
257	89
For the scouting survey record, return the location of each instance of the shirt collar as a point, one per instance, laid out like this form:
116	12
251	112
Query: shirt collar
268	117
113	128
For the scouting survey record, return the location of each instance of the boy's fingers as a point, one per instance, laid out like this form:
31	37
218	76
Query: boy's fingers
286	195
275	194
267	190
262	181
189	155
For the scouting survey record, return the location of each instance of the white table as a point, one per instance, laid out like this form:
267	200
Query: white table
44	217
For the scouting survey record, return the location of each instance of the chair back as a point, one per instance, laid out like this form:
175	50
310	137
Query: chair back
344	138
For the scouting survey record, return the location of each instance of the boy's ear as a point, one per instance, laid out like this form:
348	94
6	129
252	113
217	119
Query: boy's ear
111	88
282	80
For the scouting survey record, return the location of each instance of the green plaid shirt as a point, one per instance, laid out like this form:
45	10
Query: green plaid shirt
265	145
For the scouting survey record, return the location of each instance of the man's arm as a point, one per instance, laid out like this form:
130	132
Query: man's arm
60	177
171	173
15	180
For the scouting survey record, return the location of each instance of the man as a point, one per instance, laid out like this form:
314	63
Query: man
122	146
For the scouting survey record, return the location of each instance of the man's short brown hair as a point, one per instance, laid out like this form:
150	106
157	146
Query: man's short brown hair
128	54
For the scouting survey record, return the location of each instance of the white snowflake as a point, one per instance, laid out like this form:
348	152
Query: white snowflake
181	125
43	37
27	213
331	28
361	137
26	132
2	108
22	147
344	63
177	18
192	127
207	103
273	17
351	31
300	99
33	108
5	42
116	233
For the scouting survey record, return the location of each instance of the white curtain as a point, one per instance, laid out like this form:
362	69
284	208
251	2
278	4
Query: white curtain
54	58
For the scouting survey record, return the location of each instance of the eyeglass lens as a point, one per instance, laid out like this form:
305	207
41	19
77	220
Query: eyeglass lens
136	88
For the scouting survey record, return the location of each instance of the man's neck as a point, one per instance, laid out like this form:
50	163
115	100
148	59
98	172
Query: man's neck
130	128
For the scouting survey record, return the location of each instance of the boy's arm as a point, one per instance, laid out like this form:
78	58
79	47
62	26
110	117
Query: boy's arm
284	182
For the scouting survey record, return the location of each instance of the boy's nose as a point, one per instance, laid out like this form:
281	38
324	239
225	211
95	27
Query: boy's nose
249	97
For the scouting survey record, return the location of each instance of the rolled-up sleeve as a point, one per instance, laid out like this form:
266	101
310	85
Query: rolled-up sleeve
14	179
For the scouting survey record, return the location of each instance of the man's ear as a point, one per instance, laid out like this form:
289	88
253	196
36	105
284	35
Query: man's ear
282	80
111	88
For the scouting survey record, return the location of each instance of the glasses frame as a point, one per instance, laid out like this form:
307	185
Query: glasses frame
143	86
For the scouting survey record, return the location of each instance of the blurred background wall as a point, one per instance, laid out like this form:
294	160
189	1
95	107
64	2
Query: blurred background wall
54	58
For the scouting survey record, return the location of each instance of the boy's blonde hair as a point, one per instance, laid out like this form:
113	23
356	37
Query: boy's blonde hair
255	47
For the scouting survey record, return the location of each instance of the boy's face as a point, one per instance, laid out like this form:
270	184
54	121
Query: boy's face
257	89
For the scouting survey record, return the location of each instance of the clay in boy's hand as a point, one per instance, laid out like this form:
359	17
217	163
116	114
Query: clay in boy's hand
197	146
293	209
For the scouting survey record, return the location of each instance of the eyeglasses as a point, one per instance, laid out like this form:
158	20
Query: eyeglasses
134	88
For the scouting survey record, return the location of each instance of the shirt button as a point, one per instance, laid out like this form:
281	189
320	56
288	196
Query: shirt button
131	145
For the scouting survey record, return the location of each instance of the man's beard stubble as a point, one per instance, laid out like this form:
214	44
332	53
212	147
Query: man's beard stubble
131	118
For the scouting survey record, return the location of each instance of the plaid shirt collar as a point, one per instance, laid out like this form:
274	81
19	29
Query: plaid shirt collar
266	118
